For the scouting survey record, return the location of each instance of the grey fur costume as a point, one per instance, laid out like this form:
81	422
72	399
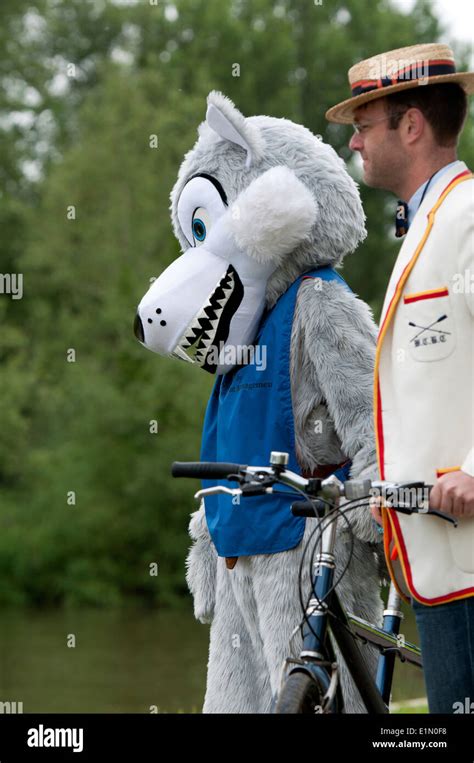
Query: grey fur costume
254	608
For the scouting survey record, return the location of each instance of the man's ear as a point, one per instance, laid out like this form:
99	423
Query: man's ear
415	124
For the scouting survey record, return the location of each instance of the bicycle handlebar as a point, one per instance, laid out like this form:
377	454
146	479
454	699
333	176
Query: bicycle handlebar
258	480
205	469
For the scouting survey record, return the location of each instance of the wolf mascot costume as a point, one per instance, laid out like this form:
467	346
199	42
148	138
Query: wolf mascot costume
264	210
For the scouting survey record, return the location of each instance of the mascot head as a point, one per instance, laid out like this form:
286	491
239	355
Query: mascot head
257	202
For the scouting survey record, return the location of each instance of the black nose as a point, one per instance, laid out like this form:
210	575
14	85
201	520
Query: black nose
138	328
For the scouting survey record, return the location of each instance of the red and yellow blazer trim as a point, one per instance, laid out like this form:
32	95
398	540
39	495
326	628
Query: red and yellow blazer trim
429	294
392	530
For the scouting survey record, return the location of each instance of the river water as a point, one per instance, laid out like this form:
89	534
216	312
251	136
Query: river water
128	660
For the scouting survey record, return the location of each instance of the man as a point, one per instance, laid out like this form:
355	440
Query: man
408	107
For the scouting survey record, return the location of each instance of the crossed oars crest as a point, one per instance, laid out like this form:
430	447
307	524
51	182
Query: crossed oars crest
428	328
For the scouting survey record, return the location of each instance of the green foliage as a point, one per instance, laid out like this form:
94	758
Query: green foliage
84	426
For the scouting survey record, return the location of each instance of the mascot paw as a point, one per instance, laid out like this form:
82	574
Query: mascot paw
201	567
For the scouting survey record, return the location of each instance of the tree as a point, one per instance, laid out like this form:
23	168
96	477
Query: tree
99	103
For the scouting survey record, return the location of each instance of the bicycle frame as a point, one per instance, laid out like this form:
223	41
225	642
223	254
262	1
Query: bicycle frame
316	652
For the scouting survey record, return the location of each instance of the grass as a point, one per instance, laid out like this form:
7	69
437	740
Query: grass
410	706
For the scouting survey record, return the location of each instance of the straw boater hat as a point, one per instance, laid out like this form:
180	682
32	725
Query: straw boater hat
396	70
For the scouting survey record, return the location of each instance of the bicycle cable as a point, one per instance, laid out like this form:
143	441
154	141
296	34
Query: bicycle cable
358	502
323	523
329	518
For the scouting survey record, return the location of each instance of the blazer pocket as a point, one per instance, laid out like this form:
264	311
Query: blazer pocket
429	324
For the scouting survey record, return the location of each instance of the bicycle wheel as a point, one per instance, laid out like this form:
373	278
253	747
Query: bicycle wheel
300	694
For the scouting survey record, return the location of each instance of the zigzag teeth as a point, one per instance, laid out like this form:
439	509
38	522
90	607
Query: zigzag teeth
198	359
206	342
209	311
206	322
217	296
194	335
215	324
219	312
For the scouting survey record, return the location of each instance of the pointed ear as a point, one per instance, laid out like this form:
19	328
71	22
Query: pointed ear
231	125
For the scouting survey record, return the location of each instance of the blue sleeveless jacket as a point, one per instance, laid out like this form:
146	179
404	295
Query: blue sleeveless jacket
249	414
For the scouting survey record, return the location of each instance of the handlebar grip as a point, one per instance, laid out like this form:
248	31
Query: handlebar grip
311	508
207	470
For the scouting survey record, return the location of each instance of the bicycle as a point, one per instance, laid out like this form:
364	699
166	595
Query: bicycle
310	683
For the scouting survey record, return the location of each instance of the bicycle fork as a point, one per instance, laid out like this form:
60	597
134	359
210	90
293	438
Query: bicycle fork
392	618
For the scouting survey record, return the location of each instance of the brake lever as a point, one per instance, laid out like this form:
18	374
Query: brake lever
434	512
245	490
419	510
441	515
217	489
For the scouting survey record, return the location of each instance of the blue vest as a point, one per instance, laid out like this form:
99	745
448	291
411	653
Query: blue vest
249	414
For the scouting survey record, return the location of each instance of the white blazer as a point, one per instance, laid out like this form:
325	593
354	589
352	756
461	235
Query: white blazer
424	387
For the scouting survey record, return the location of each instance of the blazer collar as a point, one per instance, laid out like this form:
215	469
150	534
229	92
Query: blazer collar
436	189
417	229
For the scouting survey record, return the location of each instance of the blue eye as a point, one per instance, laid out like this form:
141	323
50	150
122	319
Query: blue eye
199	229
201	224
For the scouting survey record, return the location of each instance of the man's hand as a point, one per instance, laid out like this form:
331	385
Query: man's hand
375	505
453	493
